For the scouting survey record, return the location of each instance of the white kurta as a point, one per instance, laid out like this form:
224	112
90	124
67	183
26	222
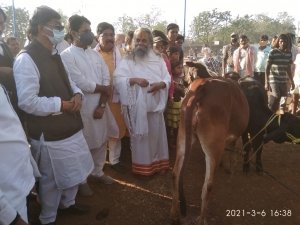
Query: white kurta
16	170
87	68
27	78
143	111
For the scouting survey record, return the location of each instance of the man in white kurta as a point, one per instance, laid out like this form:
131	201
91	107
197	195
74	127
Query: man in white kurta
90	73
16	170
52	103
142	79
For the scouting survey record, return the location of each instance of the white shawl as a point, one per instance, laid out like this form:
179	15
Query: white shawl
136	101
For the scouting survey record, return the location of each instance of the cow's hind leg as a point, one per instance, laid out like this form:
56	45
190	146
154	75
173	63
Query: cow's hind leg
178	201
213	153
177	170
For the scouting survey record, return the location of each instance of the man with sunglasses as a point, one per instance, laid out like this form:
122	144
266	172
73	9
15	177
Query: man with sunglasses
52	104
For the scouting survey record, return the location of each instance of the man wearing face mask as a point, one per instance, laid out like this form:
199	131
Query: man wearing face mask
90	73
52	104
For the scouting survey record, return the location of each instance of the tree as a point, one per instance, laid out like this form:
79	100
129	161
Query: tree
22	22
151	21
207	24
211	26
125	24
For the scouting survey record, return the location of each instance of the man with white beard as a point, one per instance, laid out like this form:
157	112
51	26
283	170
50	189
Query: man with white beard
142	79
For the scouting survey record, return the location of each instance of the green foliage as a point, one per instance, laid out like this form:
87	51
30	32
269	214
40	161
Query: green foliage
210	26
22	21
150	20
125	24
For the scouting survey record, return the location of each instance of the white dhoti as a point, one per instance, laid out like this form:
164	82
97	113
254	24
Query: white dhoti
150	152
63	165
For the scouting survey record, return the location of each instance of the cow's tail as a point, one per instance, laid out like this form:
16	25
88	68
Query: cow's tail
188	122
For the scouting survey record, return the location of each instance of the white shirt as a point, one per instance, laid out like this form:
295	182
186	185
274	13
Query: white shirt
261	59
61	46
297	70
87	68
27	77
16	170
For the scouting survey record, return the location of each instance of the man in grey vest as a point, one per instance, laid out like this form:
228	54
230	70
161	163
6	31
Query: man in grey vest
52	104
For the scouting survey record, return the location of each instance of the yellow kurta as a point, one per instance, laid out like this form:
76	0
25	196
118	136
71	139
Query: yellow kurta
114	107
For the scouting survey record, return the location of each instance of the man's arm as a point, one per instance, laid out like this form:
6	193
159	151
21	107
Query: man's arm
290	75
27	77
267	74
224	60
6	71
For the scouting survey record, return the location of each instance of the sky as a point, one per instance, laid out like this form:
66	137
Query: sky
172	10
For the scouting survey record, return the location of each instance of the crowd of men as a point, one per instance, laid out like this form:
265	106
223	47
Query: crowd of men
273	64
73	97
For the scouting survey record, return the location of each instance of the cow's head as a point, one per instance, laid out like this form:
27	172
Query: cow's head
198	70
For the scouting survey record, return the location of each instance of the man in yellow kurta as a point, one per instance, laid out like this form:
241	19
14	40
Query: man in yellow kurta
112	56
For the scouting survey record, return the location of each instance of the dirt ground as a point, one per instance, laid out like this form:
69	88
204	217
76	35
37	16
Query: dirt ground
133	201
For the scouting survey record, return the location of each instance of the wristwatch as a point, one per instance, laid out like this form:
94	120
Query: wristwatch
102	105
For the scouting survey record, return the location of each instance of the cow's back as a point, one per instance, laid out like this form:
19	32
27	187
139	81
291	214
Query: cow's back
221	107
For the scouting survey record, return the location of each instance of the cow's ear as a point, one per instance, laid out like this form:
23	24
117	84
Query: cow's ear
190	64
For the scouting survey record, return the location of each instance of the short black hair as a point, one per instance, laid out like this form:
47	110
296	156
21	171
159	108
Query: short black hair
172	26
76	21
158	33
41	16
173	49
104	26
3	13
264	37
180	37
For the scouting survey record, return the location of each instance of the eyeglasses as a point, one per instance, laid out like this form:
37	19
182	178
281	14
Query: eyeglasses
56	26
106	35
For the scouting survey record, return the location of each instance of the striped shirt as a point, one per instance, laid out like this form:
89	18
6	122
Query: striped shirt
279	61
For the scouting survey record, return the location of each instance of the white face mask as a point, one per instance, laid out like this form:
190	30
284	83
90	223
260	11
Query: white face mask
58	36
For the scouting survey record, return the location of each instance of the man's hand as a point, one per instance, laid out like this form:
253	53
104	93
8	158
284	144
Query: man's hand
67	106
154	87
107	90
292	85
98	113
268	87
21	222
6	71
139	81
77	102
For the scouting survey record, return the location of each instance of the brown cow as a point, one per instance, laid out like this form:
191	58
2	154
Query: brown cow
215	111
